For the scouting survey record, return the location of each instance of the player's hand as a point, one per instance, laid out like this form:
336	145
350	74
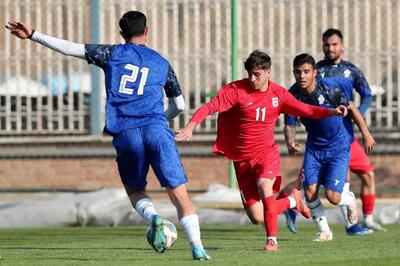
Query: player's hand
369	142
294	147
186	133
341	110
19	29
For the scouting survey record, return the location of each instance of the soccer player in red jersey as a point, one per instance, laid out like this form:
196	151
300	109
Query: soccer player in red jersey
248	110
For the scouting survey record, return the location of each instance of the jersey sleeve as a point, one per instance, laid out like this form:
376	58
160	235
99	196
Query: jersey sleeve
172	87
362	87
290	120
226	98
98	54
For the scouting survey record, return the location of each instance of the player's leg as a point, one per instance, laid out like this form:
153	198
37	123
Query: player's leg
349	211
361	166
268	180
312	172
336	173
189	220
265	190
317	213
291	215
133	167
248	191
165	161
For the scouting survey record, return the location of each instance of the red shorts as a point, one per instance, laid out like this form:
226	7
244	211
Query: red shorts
248	171
359	162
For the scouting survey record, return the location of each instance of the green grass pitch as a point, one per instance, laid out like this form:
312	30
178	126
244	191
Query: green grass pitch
227	244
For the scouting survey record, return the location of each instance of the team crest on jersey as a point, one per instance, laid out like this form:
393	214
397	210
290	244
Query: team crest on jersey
321	99
347	73
275	101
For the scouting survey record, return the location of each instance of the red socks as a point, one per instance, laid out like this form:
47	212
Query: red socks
270	216
368	203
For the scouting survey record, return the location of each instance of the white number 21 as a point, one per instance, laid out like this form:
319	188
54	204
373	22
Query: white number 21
262	111
132	78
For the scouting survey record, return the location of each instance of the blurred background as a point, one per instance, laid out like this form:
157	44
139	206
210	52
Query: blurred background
52	106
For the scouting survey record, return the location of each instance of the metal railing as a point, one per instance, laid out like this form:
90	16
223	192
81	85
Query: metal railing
42	92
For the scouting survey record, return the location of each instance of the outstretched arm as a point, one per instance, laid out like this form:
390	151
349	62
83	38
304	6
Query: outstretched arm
65	47
297	108
186	133
369	141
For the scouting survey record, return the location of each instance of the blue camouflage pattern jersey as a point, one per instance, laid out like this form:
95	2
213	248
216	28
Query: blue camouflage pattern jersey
329	133
346	69
134	78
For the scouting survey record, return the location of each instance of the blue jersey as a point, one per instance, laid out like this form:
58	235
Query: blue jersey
134	78
330	133
347	70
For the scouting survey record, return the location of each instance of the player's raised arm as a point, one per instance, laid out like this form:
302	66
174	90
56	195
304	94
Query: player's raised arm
369	141
65	47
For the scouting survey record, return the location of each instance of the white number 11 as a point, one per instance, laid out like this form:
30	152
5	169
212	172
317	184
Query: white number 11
262	111
132	78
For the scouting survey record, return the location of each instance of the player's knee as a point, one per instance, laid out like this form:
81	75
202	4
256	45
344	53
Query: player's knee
368	178
332	196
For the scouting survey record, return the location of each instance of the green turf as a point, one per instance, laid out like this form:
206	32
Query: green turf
227	244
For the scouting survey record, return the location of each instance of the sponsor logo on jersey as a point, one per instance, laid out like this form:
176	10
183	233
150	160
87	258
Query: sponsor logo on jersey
347	73
275	102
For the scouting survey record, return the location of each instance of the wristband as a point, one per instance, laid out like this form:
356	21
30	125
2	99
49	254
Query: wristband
30	35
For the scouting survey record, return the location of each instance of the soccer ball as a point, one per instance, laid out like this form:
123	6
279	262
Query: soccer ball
171	235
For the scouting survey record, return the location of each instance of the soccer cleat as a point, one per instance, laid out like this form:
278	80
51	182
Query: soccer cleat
291	220
352	214
157	237
199	253
271	245
374	226
300	204
358	230
323	236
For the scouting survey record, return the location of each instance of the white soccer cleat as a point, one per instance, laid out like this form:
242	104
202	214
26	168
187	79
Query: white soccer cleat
323	236
374	226
352	213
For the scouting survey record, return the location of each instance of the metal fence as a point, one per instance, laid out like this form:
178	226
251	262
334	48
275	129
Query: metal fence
42	92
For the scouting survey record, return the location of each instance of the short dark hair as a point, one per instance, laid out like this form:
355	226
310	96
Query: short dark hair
330	32
302	59
257	59
132	24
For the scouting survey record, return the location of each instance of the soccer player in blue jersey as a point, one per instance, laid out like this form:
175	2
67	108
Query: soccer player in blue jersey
333	65
134	78
327	150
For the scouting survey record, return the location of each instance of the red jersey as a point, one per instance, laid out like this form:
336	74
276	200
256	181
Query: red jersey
247	117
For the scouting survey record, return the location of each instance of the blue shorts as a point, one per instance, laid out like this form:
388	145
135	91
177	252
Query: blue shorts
154	145
326	167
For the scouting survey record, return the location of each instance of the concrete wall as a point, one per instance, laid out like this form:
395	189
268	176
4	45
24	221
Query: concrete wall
95	173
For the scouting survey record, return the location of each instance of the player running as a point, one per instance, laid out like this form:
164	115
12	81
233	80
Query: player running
327	150
334	66
248	110
134	78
